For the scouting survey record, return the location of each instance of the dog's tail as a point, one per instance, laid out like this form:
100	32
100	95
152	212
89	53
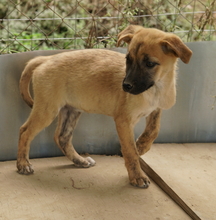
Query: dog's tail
25	79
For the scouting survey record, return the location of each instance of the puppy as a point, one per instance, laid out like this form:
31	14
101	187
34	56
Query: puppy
103	81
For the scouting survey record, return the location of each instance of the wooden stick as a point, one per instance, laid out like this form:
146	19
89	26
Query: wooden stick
160	182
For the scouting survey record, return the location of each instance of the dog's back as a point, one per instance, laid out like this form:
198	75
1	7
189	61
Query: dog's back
93	74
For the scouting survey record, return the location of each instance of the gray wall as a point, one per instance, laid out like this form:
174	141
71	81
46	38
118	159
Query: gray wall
192	119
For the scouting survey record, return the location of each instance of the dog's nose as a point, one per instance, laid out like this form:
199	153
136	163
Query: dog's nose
127	87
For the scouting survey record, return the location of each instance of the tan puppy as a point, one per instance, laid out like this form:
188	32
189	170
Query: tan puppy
104	82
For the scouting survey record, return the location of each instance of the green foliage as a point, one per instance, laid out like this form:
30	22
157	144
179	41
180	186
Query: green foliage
76	24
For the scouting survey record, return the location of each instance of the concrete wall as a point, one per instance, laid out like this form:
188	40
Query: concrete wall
192	119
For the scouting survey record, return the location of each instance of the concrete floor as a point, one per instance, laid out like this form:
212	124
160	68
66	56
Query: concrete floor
58	191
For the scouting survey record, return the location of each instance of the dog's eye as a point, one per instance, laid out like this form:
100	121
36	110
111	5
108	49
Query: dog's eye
150	64
128	59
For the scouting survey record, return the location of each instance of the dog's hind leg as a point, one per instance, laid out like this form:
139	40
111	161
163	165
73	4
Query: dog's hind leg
39	118
150	133
68	117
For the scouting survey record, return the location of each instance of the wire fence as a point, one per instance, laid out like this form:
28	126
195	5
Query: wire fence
75	24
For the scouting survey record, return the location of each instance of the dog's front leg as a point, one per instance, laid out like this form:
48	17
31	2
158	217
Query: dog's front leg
130	154
150	133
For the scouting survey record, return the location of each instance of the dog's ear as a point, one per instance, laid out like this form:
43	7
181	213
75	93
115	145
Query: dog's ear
174	45
127	34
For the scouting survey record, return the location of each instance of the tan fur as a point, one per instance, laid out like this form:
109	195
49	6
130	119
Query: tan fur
91	80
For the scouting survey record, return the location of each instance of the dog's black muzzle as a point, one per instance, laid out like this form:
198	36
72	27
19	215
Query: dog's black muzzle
138	79
135	87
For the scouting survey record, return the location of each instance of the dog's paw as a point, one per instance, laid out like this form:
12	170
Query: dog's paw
25	168
90	161
85	162
141	182
142	148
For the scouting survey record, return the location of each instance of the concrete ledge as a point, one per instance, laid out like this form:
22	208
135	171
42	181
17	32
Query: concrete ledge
192	119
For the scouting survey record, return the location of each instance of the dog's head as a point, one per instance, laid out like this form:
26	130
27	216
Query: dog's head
151	54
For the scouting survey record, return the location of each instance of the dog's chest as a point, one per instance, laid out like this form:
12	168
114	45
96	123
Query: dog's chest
143	106
144	112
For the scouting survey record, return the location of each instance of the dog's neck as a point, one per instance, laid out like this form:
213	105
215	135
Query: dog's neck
166	87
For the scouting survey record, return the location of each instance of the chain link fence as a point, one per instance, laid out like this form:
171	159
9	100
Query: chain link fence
75	24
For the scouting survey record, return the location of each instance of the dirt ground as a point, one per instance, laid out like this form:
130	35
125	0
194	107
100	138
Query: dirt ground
58	191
